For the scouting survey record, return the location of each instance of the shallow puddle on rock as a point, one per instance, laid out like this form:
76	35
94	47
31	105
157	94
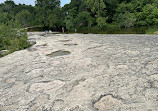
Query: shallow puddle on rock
70	44
58	53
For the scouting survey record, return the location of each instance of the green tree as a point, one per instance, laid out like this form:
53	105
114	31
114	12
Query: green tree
48	4
102	22
69	22
9	6
24	17
70	15
126	20
52	21
125	7
5	17
83	19
96	6
47	12
150	14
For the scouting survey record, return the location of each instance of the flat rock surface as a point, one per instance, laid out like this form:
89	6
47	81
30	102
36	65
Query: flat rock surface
77	72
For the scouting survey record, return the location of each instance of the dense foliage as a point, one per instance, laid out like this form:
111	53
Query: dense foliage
105	13
81	13
12	39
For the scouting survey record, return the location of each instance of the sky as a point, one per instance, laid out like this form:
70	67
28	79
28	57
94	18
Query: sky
32	2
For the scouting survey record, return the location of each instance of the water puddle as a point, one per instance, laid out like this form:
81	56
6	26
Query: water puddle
58	53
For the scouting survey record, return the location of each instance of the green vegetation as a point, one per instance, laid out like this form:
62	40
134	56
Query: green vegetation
105	14
100	16
12	39
151	30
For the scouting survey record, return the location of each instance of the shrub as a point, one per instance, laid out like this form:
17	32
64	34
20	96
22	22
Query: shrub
12	39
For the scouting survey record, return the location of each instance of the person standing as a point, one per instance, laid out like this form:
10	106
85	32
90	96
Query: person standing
63	29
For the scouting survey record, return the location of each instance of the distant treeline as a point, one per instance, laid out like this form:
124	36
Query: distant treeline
81	13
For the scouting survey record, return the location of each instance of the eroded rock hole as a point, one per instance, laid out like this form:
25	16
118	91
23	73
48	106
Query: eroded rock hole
71	44
58	53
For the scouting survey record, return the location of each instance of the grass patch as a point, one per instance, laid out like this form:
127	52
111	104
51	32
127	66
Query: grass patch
156	32
152	30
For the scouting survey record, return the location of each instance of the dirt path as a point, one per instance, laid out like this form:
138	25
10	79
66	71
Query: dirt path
77	72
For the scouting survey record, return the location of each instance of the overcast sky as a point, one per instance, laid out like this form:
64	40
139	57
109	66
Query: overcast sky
32	2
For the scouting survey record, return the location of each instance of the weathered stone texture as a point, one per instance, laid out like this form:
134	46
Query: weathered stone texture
81	72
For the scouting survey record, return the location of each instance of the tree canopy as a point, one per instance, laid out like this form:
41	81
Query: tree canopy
81	13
